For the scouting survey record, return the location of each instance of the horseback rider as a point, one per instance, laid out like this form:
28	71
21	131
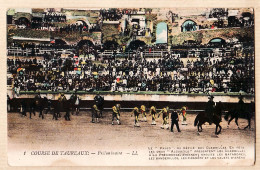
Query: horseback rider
142	110
241	105
95	113
210	106
136	114
99	100
165	113
153	113
115	114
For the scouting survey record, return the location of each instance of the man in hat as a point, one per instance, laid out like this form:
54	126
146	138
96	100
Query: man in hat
136	114
165	115
142	110
95	112
153	113
115	114
175	120
210	106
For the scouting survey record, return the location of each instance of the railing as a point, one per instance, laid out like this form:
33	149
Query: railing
17	51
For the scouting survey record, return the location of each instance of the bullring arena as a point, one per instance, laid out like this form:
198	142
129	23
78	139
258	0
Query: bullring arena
64	61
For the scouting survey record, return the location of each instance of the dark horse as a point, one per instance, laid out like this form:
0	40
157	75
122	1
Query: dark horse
235	114
33	105
202	118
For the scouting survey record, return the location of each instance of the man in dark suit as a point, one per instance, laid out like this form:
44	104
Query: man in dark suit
175	120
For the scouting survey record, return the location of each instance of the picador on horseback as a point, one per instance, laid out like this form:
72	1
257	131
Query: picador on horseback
210	106
210	115
241	111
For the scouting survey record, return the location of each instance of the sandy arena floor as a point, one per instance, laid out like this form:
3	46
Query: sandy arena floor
80	133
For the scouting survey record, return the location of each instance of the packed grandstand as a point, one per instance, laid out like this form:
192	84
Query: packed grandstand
130	50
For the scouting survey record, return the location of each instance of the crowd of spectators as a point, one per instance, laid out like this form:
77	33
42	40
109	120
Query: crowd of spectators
169	73
54	17
111	14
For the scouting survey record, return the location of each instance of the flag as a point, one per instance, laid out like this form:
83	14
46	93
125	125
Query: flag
53	42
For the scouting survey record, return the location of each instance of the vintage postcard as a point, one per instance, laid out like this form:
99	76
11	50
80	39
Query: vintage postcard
130	86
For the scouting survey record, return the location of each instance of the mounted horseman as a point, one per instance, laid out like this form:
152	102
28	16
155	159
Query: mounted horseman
209	115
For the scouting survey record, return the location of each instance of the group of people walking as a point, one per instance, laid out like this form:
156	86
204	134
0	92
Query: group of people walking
38	104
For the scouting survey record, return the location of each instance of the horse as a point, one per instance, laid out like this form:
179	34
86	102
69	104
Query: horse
32	105
235	114
202	118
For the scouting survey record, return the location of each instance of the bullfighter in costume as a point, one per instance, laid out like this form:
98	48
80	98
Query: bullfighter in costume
95	113
165	113
153	113
143	112
136	114
115	114
184	114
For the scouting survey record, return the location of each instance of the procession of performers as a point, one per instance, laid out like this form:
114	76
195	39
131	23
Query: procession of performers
38	104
